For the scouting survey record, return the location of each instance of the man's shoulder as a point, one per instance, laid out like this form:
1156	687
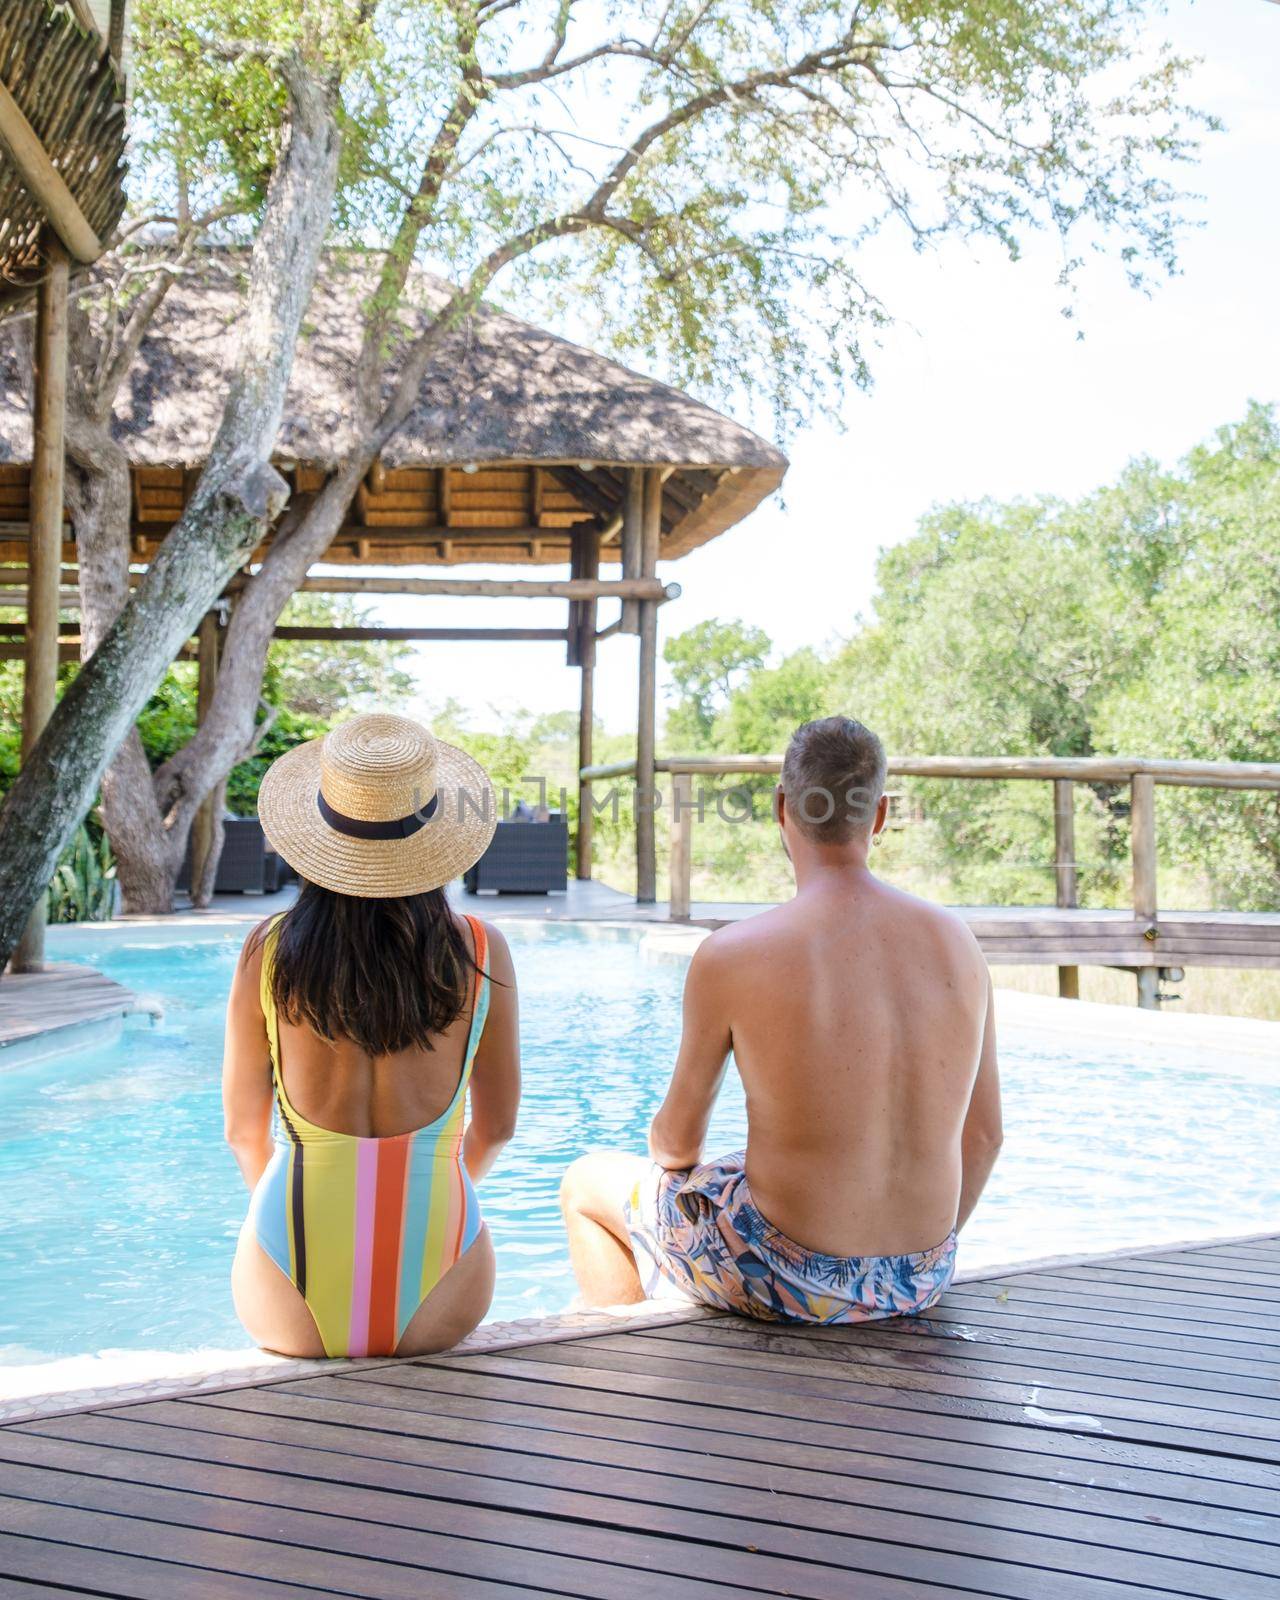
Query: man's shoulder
926	920
727	947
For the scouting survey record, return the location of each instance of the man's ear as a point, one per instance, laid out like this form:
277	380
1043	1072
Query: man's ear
779	805
882	815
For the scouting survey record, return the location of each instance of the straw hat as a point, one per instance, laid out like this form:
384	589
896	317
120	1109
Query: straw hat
378	808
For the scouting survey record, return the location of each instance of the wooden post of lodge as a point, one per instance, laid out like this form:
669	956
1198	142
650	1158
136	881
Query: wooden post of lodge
586	554
632	542
44	556
205	821
646	797
1064	861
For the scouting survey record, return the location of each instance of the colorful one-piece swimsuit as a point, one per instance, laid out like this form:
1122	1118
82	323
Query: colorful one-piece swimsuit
366	1228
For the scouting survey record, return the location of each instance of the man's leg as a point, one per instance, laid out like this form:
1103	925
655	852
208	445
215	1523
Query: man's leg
592	1196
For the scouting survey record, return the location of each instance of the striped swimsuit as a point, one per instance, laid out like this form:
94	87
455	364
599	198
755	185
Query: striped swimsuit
366	1228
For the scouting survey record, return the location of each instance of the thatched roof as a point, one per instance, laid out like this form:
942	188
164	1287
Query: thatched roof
64	85
500	393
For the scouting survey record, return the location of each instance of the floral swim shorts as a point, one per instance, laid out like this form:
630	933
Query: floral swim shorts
699	1232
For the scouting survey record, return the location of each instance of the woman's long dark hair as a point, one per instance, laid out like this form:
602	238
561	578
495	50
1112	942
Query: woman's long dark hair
386	974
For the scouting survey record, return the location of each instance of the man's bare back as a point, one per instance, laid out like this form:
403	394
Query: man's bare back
856	1016
862	1026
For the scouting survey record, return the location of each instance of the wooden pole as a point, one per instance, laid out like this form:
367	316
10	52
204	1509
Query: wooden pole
40	678
589	560
21	143
1142	845
205	821
633	503
681	868
646	797
1064	862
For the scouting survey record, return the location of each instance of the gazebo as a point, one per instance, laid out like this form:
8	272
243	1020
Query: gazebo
62	140
523	450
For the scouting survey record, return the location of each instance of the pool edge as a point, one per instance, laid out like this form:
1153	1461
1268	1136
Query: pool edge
509	1335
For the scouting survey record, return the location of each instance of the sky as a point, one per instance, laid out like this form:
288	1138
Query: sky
982	388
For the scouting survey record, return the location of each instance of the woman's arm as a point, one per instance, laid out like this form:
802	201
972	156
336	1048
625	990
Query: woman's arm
679	1130
246	1067
495	1076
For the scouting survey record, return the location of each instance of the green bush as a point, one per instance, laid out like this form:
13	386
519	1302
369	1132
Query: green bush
84	884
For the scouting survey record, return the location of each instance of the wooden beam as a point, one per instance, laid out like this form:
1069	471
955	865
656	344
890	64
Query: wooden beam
48	462
45	183
509	588
444	499
491	635
1257	775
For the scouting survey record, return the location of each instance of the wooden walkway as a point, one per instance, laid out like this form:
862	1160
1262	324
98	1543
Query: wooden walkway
1108	1431
39	1005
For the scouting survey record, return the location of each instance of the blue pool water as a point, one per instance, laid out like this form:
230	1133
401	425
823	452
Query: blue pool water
119	1204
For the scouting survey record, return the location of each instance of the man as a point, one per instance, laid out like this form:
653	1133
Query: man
861	1022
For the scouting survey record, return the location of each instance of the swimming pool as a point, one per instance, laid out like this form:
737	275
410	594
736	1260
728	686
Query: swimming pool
119	1204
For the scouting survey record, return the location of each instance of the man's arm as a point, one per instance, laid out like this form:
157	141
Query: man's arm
679	1130
983	1130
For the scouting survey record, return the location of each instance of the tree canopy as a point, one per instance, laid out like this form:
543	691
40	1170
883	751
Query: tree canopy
1142	619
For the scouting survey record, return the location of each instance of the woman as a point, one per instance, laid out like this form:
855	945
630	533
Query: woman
365	1014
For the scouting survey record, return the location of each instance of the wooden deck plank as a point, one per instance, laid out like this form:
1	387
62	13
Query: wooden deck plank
724	1431
386	1558
1109	1431
1187	1282
50	1566
1092	1307
1014	1354
64	995
751	1362
655	1474
789	1402
781	1557
674	1487
589	1434
967	1319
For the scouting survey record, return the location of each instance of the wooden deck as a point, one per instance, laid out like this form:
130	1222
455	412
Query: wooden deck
40	1005
1109	1431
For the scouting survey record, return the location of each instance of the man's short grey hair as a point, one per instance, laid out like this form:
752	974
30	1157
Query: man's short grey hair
832	777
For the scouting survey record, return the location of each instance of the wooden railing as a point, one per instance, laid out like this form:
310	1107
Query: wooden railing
1142	777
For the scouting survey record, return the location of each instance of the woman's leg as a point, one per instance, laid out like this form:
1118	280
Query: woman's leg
456	1305
593	1194
274	1314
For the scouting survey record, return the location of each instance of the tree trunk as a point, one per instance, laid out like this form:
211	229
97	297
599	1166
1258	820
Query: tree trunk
100	496
207	836
238	497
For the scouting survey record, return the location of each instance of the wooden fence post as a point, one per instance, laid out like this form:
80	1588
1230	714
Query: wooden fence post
1064	862
1142	844
681	846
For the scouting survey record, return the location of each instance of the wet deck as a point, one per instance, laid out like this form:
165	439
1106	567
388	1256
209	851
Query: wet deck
42	1006
1108	1431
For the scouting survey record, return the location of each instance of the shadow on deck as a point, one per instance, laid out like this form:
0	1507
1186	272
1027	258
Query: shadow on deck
1104	1430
